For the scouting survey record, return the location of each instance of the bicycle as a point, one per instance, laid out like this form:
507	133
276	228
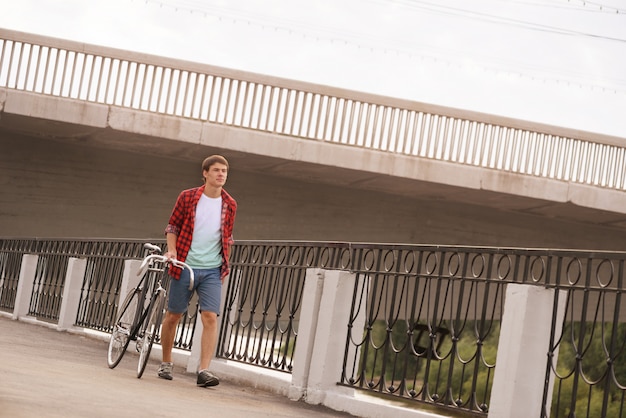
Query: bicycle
139	317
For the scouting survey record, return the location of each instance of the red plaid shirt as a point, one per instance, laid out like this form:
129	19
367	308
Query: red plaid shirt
181	224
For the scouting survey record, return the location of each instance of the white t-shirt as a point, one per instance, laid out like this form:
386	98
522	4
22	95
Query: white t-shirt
206	243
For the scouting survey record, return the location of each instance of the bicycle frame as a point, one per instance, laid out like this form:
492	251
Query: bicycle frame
139	316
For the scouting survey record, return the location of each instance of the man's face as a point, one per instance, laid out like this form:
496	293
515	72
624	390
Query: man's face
216	175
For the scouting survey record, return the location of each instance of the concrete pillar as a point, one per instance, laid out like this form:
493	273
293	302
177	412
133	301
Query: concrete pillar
74	278
25	285
307	328
518	381
330	335
194	356
129	278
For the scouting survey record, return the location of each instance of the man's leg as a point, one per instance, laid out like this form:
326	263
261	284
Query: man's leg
179	295
207	342
209	292
168	333
209	338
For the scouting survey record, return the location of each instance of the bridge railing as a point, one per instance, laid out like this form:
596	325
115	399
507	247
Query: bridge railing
422	323
120	78
100	289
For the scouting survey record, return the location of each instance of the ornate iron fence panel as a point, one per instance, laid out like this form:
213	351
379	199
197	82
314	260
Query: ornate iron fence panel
45	300
262	305
11	252
587	354
102	281
99	294
261	310
425	324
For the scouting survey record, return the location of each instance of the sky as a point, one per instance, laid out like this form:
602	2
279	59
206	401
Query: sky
558	62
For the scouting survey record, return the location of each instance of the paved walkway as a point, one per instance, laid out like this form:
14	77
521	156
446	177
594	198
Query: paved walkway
48	373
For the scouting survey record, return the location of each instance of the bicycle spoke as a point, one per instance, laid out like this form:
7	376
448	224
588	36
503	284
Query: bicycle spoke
122	329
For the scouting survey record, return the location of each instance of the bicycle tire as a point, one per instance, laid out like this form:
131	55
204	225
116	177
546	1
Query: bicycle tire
154	317
123	328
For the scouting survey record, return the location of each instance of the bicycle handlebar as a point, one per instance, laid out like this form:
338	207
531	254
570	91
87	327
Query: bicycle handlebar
148	260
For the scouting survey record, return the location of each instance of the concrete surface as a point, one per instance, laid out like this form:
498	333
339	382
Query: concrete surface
47	373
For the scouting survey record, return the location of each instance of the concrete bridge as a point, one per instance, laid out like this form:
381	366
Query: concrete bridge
97	142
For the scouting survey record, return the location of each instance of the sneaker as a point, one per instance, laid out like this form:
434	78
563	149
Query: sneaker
165	370
206	379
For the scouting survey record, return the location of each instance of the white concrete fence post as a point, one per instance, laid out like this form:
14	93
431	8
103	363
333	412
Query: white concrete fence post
193	362
330	336
307	327
25	285
70	302
130	279
517	390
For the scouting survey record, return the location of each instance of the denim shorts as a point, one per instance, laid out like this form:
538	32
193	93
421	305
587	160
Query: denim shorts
208	284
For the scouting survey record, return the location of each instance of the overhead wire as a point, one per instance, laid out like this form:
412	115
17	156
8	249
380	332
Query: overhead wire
577	5
401	47
500	19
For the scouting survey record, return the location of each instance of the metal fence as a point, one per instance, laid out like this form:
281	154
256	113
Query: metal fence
102	75
424	321
99	294
262	306
432	316
590	374
11	252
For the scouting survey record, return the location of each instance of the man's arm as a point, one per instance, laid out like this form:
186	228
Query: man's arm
171	245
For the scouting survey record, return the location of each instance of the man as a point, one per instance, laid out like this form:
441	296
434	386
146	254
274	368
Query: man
199	233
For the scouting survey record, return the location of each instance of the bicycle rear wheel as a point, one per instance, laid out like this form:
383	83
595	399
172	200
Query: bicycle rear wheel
155	315
123	328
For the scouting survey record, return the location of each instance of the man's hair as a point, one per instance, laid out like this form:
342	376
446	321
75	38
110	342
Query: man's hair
213	159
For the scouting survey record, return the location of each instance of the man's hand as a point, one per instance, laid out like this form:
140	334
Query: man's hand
170	255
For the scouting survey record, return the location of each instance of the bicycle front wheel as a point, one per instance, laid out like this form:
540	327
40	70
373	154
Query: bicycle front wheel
155	315
123	328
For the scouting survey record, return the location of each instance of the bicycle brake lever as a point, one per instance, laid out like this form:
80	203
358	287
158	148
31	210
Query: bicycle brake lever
182	265
152	247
